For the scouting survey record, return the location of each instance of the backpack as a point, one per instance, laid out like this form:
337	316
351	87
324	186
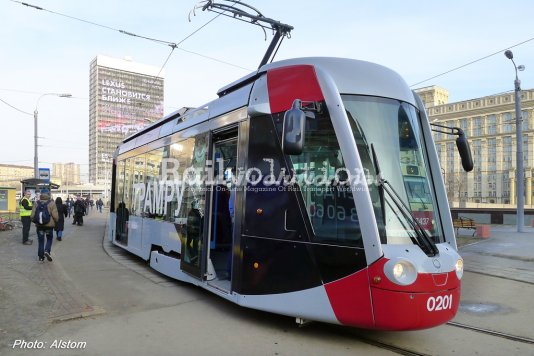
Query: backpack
42	215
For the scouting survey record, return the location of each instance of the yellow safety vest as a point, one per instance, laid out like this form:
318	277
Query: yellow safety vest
24	212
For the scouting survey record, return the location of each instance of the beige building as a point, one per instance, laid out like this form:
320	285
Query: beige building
66	173
11	175
433	95
489	123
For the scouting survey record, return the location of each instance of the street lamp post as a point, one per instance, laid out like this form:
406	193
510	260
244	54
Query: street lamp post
35	138
519	144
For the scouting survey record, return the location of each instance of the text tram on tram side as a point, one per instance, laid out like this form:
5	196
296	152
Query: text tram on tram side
310	188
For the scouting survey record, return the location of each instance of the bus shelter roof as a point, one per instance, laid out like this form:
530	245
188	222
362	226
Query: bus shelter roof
39	183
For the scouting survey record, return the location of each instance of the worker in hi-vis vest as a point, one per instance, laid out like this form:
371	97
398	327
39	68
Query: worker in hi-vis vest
25	208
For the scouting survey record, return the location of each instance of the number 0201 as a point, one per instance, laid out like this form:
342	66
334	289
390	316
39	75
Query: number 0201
439	303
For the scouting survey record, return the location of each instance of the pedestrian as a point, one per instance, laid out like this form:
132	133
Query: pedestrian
99	204
44	215
68	203
62	213
25	211
79	212
86	206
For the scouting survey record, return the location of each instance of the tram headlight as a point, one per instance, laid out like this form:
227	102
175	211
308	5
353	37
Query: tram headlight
459	268
400	271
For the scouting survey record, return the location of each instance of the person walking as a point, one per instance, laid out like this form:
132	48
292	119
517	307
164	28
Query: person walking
25	211
62	213
99	204
44	215
68	203
79	212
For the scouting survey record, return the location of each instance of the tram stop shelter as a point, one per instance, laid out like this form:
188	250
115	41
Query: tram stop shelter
8	200
37	186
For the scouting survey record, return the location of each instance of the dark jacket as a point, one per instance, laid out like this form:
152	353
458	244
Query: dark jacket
79	208
62	213
51	209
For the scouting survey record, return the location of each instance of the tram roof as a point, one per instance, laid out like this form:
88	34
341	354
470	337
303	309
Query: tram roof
350	75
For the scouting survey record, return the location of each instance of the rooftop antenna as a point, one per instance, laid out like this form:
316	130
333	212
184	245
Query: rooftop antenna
246	13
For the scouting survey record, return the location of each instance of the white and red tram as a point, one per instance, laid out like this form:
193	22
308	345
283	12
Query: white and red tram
310	188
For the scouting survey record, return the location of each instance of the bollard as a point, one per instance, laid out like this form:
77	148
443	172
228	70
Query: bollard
483	231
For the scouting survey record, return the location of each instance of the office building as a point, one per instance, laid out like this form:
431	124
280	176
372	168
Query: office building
433	95
490	125
124	97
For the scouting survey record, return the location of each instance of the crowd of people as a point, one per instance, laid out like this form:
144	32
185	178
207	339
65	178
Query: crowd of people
49	215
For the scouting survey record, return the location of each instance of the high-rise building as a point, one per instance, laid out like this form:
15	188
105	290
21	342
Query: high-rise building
124	97
66	173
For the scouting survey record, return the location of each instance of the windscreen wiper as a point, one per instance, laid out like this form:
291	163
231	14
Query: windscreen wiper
423	240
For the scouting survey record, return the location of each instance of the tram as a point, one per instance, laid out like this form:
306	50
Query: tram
310	188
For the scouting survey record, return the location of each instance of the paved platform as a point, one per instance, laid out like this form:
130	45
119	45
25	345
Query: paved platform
96	293
34	294
506	253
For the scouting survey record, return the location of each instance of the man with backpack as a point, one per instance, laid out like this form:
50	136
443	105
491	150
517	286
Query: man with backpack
44	216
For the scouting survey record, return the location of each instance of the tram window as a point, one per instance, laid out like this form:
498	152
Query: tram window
154	187
138	180
418	191
188	158
180	154
193	201
146	192
128	184
394	130
319	172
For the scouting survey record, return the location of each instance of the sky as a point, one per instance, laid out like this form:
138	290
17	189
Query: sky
50	51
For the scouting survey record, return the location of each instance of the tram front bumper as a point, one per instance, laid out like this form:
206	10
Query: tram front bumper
396	310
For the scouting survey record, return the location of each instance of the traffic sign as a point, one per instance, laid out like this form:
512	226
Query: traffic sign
44	174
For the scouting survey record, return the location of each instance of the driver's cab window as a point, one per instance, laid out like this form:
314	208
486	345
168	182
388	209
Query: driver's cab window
323	180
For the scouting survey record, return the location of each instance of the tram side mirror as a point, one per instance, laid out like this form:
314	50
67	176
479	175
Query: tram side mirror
465	151
293	130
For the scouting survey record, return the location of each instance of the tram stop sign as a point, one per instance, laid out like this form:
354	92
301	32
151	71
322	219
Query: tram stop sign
44	174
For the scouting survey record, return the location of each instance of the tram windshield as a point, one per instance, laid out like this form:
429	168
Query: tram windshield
392	129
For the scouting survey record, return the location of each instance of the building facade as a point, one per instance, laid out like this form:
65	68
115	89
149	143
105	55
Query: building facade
66	173
433	95
124	97
490	125
11	175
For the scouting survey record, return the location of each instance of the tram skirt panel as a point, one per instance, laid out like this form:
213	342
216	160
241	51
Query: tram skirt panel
351	300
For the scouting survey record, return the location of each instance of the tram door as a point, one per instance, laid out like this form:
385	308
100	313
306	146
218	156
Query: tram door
222	207
191	221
